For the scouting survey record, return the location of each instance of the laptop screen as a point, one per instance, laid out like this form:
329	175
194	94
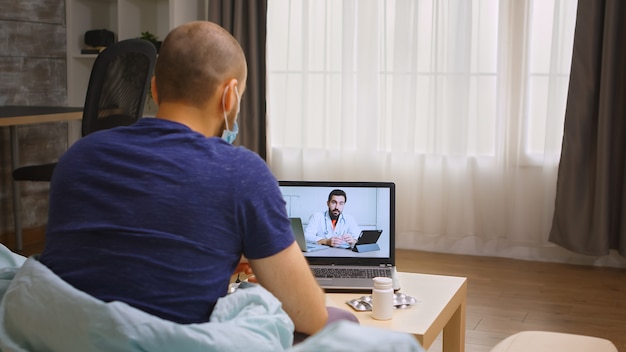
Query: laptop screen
369	206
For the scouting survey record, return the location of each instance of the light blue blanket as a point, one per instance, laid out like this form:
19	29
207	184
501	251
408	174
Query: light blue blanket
41	312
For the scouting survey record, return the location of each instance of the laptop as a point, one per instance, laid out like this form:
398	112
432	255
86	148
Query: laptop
372	205
298	233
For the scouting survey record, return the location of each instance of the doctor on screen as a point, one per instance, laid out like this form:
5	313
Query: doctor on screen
332	227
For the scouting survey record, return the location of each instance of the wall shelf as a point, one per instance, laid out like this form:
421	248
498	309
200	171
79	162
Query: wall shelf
127	19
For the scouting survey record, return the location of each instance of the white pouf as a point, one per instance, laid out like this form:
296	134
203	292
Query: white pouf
544	341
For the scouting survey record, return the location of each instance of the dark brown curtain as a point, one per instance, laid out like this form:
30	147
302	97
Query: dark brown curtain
590	209
246	20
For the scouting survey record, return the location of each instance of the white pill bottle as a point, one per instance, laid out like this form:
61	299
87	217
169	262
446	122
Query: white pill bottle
382	298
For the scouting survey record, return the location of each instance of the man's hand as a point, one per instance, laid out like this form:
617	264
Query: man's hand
244	268
325	241
336	241
349	239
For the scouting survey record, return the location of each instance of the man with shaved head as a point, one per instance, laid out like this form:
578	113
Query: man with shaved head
158	214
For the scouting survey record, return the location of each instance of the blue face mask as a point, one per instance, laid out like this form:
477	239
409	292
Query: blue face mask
230	135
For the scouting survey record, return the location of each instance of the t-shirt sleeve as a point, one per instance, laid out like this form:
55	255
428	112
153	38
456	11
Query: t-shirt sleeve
262	215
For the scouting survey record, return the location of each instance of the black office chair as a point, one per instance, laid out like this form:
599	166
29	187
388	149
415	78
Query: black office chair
116	94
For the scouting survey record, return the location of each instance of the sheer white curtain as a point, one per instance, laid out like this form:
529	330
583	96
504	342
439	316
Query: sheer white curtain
458	102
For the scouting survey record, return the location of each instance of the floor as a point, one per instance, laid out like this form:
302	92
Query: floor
32	241
506	296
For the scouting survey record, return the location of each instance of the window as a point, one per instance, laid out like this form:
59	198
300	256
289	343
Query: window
462	78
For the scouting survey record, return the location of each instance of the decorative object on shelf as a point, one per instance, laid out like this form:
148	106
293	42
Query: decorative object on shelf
96	40
151	38
99	37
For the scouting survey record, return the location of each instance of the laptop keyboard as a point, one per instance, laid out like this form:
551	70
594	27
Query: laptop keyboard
358	273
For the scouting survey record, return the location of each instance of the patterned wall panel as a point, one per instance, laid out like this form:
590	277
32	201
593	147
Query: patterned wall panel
32	72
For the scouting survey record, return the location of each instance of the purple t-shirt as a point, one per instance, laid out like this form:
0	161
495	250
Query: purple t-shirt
157	216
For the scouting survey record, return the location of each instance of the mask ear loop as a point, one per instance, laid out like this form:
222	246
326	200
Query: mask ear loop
224	104
224	108
238	100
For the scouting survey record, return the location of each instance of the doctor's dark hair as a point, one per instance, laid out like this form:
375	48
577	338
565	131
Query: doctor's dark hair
337	192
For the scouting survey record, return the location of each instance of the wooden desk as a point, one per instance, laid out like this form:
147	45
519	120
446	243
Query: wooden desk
13	116
24	115
441	307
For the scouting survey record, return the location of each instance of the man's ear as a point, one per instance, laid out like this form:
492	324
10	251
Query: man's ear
230	99
153	90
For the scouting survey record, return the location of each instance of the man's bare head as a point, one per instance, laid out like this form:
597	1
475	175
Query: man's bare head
194	59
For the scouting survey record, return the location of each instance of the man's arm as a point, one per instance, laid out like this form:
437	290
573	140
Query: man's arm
288	277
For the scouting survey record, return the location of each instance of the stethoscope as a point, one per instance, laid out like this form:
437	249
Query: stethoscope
327	221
